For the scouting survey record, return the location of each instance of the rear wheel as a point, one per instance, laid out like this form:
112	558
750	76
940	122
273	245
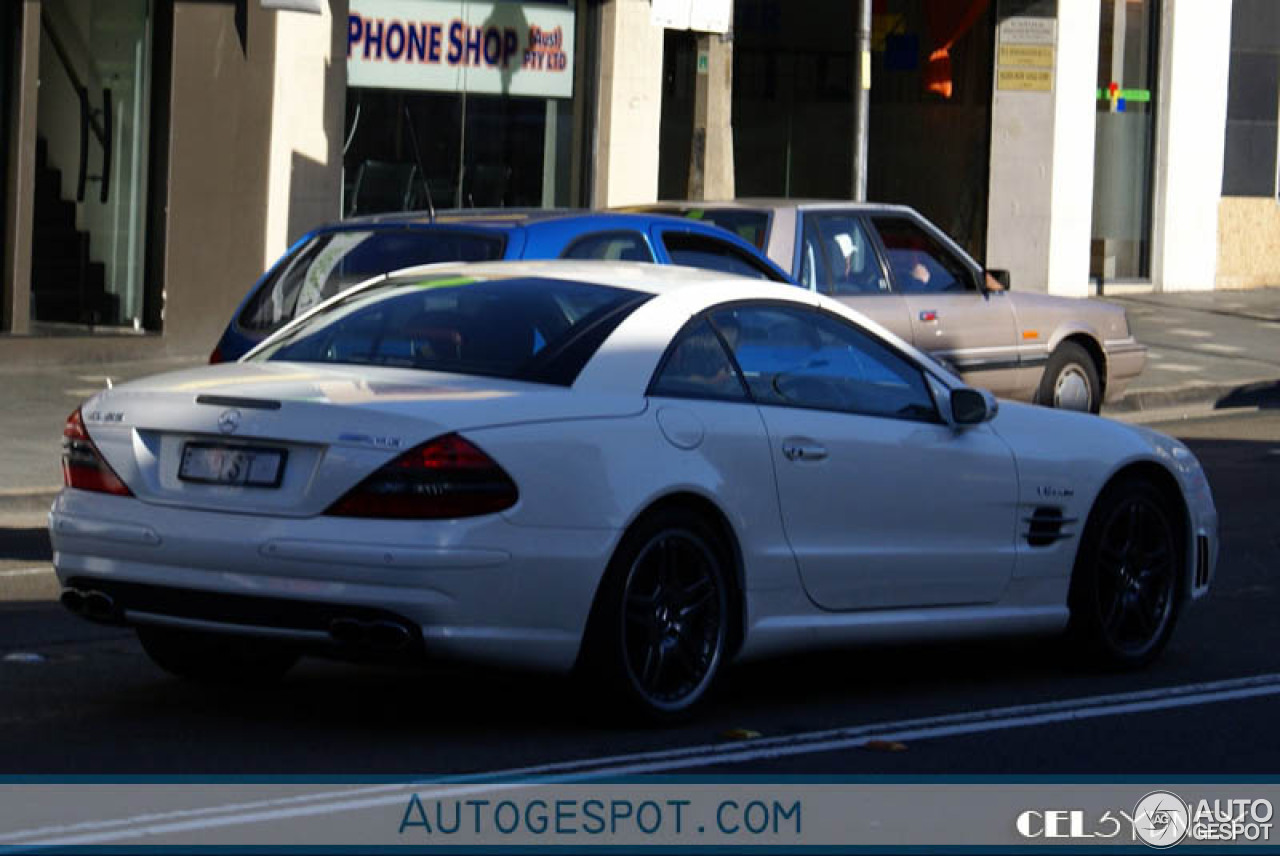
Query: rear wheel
1127	585
1070	380
216	657
659	633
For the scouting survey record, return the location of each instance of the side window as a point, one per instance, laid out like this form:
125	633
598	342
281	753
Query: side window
797	357
919	263
839	258
698	367
610	246
703	251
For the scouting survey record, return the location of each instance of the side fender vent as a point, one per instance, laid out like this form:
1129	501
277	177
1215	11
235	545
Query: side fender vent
1046	526
1202	562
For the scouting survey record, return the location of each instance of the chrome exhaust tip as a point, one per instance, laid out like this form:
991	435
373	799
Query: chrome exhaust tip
73	600
387	635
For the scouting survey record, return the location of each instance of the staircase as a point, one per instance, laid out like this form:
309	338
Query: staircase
66	286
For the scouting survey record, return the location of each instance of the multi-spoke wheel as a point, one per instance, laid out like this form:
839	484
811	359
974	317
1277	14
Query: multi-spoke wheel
1128	576
660	631
1070	380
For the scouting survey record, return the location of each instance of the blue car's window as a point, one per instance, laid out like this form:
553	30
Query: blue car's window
610	246
332	262
804	358
704	251
522	328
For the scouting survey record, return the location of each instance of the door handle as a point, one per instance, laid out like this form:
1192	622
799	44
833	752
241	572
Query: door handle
794	450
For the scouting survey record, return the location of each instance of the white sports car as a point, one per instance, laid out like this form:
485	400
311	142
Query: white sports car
647	472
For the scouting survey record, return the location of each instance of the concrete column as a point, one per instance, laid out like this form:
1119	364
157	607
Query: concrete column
629	106
1191	136
711	160
20	205
1040	206
304	184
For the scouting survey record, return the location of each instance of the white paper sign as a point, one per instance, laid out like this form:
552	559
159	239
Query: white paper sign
450	46
708	16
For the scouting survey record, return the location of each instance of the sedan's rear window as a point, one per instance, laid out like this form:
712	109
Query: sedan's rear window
334	261
750	226
524	328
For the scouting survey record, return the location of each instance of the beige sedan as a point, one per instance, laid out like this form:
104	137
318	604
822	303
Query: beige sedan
896	267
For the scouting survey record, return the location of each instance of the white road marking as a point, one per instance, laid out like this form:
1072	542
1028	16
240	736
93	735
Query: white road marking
1194	334
665	760
1223	349
1181	368
25	572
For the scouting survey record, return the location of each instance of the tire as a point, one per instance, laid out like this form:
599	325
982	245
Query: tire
1070	380
659	631
215	657
1128	583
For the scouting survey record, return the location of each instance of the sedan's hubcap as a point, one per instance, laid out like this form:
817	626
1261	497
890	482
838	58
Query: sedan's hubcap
1071	392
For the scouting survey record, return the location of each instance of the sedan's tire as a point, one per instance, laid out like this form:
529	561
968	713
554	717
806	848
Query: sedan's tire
214	657
1070	380
659	632
1129	577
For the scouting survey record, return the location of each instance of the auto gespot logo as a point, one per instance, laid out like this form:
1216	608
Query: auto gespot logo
1160	819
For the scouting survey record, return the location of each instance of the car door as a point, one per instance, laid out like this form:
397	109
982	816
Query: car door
883	505
970	328
838	257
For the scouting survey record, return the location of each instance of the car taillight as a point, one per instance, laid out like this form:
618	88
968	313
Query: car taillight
216	356
443	478
83	466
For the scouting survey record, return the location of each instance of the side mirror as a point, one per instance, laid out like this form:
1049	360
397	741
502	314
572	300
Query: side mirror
970	406
1001	276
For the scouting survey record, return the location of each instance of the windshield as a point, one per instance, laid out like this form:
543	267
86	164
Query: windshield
521	329
331	262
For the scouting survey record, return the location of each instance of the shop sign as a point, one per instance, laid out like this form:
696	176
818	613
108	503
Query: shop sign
491	48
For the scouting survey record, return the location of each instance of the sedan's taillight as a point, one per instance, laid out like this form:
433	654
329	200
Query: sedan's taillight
83	466
216	357
443	478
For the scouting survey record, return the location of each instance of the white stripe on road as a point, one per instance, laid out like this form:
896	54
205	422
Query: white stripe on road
686	758
26	572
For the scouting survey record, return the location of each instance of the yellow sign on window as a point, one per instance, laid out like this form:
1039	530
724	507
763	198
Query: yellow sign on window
1024	80
1035	56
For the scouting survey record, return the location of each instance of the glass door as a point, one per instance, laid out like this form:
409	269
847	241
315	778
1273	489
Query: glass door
92	127
1128	48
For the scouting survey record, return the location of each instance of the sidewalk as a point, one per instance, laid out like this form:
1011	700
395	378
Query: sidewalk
1206	350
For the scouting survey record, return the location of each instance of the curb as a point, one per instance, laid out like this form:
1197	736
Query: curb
1263	392
18	500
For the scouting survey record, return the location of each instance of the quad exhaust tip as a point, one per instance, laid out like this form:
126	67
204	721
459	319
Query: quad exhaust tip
91	604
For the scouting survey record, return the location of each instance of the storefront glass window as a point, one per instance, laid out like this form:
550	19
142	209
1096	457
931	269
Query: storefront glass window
458	105
1124	150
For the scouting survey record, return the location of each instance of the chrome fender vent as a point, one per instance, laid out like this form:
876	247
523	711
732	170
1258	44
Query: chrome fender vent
1046	525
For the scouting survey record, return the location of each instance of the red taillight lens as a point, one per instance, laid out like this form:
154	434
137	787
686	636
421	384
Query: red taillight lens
444	478
83	466
216	356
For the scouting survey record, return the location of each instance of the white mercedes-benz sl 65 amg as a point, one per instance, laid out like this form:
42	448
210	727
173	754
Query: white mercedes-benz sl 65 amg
642	472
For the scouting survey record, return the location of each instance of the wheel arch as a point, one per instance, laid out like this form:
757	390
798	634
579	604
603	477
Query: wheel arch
708	511
1088	340
1167	483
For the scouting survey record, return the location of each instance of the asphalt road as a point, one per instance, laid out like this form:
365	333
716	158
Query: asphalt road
75	698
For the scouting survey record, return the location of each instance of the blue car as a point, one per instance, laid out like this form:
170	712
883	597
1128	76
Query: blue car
335	257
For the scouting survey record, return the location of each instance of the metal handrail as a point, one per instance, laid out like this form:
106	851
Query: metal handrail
89	120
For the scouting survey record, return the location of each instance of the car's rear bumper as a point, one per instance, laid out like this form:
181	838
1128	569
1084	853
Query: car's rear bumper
1125	361
479	589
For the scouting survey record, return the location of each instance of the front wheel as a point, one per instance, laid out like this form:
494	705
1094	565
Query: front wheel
216	657
1127	585
1070	380
659	635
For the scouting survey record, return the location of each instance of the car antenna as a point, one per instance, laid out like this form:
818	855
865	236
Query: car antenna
426	185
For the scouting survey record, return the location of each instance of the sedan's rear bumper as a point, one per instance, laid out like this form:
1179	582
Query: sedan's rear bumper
1125	361
479	589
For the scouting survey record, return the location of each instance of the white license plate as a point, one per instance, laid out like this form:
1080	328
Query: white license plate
212	463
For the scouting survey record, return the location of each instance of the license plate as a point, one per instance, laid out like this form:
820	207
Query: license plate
213	463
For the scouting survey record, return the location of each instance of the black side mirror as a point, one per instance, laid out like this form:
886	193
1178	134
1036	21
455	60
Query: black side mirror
1001	276
968	406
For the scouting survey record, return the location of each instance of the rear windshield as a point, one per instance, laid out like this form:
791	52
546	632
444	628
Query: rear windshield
750	226
329	263
522	329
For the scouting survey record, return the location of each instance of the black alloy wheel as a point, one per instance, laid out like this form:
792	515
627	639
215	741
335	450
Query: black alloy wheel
1129	575
663	632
